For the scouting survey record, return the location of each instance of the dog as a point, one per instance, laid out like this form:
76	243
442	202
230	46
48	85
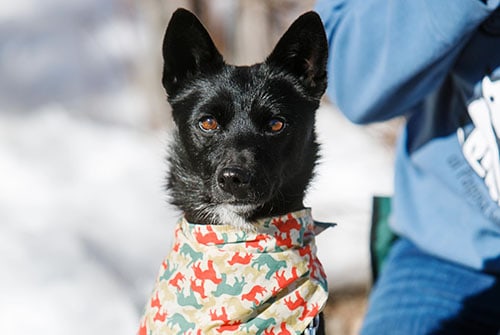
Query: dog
242	156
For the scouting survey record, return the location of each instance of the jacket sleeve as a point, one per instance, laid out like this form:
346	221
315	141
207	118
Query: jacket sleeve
386	55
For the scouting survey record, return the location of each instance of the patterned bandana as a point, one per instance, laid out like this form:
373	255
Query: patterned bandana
218	279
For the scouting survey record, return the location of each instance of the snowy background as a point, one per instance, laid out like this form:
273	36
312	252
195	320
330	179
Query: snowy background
84	222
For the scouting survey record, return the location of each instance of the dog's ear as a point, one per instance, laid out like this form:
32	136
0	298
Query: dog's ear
303	51
188	51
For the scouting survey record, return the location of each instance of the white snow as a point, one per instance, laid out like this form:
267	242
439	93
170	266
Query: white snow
84	221
83	218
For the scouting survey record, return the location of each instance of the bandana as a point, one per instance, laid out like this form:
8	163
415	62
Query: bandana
218	279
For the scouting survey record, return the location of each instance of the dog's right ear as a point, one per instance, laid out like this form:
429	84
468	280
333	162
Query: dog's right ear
303	52
188	51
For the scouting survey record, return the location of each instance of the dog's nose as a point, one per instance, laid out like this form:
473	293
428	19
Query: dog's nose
234	180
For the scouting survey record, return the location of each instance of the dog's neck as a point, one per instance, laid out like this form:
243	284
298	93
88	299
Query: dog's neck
277	208
240	216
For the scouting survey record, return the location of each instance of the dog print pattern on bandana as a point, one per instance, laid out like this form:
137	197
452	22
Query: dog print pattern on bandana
221	280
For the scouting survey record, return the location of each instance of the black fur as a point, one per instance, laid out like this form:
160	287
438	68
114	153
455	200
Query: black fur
276	167
242	170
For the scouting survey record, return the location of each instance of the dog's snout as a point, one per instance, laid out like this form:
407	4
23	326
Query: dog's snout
234	176
234	180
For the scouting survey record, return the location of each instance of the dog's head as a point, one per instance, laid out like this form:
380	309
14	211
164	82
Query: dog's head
245	145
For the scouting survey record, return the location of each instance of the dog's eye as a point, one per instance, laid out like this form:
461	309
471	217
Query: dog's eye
208	123
276	125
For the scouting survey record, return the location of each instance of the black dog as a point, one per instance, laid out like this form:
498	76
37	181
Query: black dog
244	147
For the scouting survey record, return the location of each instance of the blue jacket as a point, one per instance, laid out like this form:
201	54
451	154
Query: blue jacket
436	62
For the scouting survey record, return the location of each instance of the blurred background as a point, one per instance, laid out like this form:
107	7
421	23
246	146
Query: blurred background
84	125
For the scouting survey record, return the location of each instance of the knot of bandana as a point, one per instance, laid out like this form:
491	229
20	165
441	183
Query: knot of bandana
218	279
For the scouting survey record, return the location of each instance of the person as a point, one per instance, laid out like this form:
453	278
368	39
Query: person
436	63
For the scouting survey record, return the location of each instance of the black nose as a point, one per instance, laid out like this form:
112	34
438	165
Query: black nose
234	180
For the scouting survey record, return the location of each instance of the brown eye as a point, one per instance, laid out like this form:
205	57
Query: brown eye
276	125
208	123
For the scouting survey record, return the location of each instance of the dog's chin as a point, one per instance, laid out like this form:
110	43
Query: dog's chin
236	215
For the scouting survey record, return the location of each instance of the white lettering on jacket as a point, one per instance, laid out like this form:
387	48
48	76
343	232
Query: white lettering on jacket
481	146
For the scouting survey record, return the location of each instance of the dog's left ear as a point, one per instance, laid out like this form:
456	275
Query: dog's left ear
303	51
